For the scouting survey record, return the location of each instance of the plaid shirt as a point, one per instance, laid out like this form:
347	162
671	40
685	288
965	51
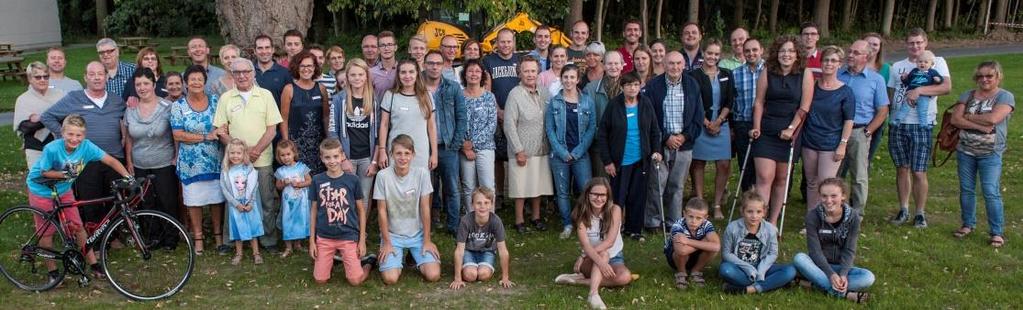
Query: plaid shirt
745	91
674	106
124	72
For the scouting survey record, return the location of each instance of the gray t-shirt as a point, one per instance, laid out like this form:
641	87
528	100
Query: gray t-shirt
66	84
152	144
402	195
480	238
978	143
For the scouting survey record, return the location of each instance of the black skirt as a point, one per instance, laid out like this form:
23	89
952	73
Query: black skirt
772	147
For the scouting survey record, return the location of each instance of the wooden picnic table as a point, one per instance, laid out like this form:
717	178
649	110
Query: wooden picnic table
136	43
177	52
7	49
10	66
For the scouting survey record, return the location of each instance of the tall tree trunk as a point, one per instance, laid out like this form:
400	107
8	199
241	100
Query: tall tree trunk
575	13
757	17
657	18
599	20
949	7
1001	8
932	11
886	17
739	16
799	10
242	20
694	11
101	17
644	18
847	14
982	17
772	20
821	11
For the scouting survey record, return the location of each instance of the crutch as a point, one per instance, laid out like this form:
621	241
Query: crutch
788	179
742	174
660	202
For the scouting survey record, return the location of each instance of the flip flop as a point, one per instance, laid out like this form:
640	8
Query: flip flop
997	241
962	232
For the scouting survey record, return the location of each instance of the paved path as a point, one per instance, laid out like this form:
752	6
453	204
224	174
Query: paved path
7	117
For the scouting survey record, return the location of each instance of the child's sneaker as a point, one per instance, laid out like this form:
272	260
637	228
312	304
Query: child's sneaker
901	217
370	260
595	302
566	232
54	276
919	221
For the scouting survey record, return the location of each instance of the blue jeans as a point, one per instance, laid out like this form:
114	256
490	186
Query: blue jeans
479	258
564	173
448	165
777	276
990	169
859	278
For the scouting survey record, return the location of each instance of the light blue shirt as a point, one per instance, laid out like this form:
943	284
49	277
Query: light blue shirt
56	157
870	92
632	143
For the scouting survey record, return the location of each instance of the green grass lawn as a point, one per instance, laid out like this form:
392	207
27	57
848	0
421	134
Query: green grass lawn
915	268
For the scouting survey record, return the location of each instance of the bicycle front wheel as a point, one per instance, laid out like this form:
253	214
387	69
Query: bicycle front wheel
146	268
26	256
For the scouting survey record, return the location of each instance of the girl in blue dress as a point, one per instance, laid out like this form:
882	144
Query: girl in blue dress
293	181
239	183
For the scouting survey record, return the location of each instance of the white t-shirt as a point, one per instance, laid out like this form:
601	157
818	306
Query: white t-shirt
899	95
402	195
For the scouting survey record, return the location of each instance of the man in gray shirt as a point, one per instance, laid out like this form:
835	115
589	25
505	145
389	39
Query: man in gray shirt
56	61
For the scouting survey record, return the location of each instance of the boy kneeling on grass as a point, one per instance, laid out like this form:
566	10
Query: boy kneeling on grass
692	244
480	234
337	226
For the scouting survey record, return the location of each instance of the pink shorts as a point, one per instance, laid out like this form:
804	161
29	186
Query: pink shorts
325	249
72	220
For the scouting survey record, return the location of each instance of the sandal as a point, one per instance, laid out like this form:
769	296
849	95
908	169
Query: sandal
697	279
962	232
858	297
286	253
718	215
258	259
997	241
237	259
680	280
198	246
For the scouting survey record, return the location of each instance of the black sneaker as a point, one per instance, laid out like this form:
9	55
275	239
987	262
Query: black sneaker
637	237
900	218
370	260
539	225
224	249
521	228
54	277
919	221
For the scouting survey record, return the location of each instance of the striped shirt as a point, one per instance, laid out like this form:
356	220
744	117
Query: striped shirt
328	81
674	106
746	91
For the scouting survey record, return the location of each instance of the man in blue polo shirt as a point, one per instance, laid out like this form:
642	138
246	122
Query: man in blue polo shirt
871	110
269	74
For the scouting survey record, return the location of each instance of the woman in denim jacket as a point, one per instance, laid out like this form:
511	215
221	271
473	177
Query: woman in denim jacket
571	123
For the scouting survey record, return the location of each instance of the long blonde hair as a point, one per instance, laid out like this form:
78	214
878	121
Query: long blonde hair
367	90
235	143
422	95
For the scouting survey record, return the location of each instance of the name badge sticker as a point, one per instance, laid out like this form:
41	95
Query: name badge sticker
236	108
723	79
403	108
630	115
89	106
316	98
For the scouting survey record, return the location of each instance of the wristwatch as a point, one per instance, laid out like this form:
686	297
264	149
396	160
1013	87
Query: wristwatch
866	132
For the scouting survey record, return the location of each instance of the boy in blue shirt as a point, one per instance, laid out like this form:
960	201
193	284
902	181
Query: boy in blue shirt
64	159
923	75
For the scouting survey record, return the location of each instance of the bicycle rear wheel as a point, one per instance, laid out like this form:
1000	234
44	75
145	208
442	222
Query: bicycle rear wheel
143	269
22	261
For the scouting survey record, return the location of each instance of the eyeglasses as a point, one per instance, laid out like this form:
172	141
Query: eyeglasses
810	34
41	77
382	45
106	52
598	194
240	72
983	76
449	46
831	60
433	63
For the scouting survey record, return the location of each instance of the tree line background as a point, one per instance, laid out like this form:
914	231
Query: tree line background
346	20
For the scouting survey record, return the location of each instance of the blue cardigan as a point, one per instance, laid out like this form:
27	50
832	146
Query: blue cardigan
657	88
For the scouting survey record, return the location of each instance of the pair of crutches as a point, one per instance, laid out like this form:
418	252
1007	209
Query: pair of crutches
788	180
660	193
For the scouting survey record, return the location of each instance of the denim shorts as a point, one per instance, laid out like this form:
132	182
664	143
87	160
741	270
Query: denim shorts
617	259
414	245
478	258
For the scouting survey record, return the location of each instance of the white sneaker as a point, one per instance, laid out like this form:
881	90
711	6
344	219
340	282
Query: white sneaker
596	302
567	278
565	233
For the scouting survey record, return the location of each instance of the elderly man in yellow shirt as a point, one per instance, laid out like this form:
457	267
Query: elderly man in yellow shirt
250	113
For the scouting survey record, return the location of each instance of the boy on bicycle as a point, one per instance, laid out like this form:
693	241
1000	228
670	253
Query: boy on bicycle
63	159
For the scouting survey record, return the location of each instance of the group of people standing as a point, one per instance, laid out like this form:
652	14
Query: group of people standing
299	148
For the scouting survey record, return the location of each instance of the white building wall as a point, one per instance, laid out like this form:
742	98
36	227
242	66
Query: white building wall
30	24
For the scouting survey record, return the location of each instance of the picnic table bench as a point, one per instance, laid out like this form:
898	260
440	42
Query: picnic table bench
7	49
177	53
10	66
137	43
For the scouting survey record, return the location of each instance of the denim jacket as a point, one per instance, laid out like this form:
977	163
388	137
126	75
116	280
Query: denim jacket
767	234
452	117
556	123
336	124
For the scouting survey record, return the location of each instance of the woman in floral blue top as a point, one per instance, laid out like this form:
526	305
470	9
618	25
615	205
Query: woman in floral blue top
199	154
478	154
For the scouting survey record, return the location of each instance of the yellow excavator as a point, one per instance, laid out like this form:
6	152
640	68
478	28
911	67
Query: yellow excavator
435	30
